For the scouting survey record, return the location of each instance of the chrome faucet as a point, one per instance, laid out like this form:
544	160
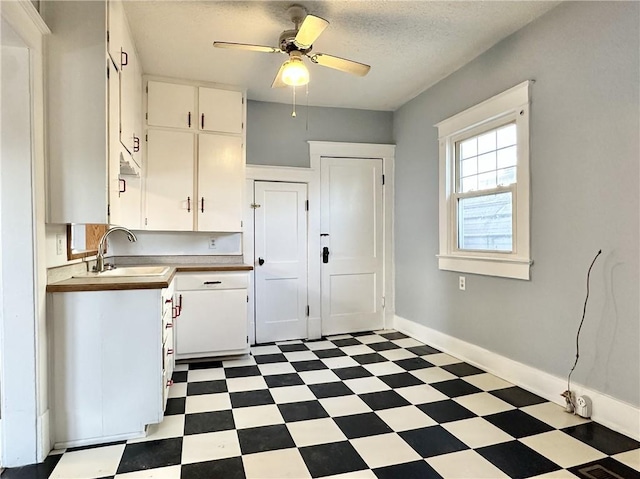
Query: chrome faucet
100	266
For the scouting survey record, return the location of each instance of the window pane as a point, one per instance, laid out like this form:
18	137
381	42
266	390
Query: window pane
485	223
507	136
469	184
487	180
506	176
487	142
470	166
487	162
469	148
507	157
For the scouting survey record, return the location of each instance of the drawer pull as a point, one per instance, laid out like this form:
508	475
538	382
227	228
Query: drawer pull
169	351
213	282
168	301
169	326
170	382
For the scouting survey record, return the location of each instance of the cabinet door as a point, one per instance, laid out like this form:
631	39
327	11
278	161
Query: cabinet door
130	96
171	105
220	110
220	183
169	197
130	202
115	20
114	147
212	322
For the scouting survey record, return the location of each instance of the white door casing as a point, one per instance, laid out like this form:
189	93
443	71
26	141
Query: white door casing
280	261
351	244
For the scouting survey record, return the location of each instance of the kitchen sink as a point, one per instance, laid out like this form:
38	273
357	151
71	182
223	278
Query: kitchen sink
128	271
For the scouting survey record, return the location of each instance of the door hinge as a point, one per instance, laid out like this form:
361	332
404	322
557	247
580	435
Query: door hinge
147	88
241	224
108	210
382	180
306	205
242	126
107	36
255	205
146	221
383	302
247	339
146	137
247	298
307	310
243	100
108	69
146	116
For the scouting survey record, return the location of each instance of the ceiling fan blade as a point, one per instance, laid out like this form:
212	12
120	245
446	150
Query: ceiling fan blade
310	30
341	64
277	81
244	46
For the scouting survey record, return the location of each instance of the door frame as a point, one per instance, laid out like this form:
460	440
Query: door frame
311	176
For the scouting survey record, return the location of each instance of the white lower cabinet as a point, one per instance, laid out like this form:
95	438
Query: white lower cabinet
112	358
213	314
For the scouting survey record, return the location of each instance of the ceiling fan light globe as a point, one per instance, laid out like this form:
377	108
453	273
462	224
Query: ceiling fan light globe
295	72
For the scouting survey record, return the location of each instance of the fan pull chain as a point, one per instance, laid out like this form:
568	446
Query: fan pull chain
293	113
307	94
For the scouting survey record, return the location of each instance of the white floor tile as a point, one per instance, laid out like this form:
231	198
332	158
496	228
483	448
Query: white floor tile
210	446
405	418
485	381
396	354
207	402
247	360
421	394
89	463
340	362
276	368
178	390
562	449
432	375
300	356
442	359
255	416
281	464
477	432
170	472
630	458
384	450
407	342
290	394
181	367
344	406
206	375
464	465
364	474
382	369
483	403
554	415
271	349
249	383
366	385
561	474
171	426
319	377
320	345
316	431
371	338
357	349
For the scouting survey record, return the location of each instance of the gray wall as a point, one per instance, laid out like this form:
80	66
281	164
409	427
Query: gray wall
584	170
275	138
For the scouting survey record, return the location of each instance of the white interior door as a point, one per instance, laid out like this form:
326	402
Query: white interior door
352	244
281	253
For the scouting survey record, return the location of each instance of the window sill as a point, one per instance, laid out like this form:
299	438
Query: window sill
501	267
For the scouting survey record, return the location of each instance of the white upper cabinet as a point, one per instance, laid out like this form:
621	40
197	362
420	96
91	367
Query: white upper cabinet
220	110
171	105
115	30
130	97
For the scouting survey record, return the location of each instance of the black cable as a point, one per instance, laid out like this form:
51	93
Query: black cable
584	312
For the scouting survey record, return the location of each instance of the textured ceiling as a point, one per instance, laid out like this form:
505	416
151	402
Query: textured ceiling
410	45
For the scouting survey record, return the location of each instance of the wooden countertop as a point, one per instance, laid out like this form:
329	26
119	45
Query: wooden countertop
96	283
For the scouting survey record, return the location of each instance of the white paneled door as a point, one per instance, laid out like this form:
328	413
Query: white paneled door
351	244
281	261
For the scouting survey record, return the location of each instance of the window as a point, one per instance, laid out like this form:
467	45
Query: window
484	187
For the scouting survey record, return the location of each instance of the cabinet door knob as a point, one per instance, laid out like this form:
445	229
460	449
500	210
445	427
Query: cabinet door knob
202	205
202	121
188	204
124	58
189	119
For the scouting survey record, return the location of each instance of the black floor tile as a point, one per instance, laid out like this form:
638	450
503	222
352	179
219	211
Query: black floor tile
518	424
290	348
383	346
270	358
206	387
362	333
400	380
174	406
411	364
362	425
302	411
205	365
608	465
394	335
251	398
281	380
346	342
33	471
602	438
151	455
179	376
445	411
432	441
329	390
408	470
241	372
369	358
456	387
265	438
332	459
462	369
230	468
384	400
330	353
517	397
203	422
313	365
423	350
353	372
517	460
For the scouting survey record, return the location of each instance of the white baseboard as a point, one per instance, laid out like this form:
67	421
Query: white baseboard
44	436
608	411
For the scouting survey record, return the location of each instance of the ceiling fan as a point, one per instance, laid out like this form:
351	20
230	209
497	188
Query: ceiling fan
298	43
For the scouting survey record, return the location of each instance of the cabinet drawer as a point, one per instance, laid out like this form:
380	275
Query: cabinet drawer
211	281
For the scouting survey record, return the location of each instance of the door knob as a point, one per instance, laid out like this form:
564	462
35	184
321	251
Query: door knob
260	261
325	254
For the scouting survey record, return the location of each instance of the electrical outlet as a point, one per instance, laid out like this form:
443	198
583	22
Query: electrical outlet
462	283
59	244
212	242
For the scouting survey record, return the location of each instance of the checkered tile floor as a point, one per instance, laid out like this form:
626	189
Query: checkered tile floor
368	405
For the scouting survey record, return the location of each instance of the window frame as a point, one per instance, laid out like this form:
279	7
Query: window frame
512	105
